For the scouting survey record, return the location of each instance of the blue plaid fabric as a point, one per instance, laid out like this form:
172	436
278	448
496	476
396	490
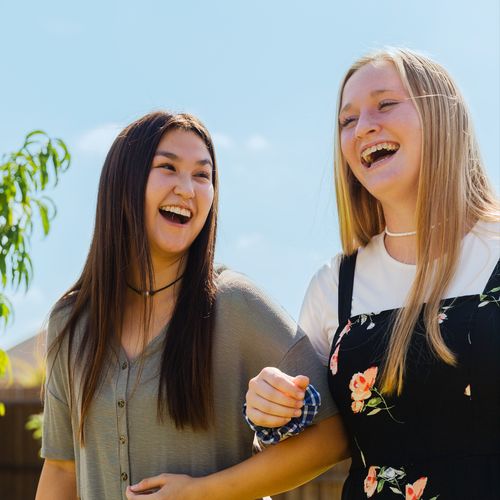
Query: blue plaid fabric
270	435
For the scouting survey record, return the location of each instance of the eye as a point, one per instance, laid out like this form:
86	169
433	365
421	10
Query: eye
166	166
347	121
204	175
386	104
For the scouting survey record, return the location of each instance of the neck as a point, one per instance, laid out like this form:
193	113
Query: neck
164	273
401	219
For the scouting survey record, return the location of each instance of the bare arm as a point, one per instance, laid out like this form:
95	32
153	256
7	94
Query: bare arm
58	480
278	468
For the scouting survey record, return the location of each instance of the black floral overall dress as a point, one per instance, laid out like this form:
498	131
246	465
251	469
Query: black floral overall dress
441	437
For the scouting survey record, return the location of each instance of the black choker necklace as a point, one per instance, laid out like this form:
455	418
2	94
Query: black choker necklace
150	293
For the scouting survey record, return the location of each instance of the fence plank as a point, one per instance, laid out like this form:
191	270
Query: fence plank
20	464
328	486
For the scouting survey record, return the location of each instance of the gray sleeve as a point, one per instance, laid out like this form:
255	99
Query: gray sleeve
57	438
302	359
270	336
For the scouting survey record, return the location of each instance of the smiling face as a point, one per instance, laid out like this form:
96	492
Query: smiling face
381	133
179	193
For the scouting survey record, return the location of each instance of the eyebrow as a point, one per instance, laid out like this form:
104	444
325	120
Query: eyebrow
373	93
173	156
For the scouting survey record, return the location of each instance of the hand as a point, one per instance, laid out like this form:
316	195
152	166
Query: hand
274	397
165	487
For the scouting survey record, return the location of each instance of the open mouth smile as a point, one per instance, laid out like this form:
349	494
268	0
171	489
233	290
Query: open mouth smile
176	214
372	155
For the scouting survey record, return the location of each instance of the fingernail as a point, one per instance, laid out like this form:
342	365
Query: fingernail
297	413
301	395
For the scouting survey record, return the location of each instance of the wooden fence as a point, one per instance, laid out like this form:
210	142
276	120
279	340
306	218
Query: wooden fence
328	486
20	464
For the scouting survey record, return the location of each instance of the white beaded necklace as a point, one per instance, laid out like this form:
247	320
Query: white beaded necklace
397	235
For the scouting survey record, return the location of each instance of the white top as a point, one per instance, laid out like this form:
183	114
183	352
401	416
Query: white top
382	283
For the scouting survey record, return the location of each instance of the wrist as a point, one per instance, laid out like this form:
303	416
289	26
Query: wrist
206	487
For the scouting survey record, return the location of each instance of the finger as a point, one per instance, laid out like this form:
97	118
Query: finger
280	381
260	393
301	381
273	409
141	495
144	492
265	420
149	483
273	402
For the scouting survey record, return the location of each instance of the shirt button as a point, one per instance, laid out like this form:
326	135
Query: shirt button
121	403
124	365
124	476
123	439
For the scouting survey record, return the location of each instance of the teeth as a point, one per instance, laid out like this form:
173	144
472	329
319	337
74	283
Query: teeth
176	210
388	146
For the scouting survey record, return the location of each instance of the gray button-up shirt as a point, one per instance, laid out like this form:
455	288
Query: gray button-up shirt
125	442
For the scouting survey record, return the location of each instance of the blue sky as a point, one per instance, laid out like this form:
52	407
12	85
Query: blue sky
262	75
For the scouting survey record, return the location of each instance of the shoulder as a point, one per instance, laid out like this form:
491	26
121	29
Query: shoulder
320	299
481	247
59	318
487	231
326	279
245	310
236	288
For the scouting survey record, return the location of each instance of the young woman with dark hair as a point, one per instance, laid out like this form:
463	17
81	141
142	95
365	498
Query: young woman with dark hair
149	353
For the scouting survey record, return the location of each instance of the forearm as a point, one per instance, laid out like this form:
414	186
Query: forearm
281	467
57	480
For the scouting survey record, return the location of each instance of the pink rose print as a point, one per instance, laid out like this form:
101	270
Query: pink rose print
361	383
414	491
442	317
334	361
347	329
362	386
335	356
371	481
357	406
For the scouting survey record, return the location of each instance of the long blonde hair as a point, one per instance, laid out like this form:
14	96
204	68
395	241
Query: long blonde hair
451	175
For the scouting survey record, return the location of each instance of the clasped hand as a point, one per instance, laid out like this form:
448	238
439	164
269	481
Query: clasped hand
165	487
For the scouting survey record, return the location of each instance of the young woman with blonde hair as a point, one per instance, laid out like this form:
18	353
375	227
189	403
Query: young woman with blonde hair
408	317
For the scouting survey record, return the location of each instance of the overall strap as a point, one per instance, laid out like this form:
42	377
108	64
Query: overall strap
493	279
346	283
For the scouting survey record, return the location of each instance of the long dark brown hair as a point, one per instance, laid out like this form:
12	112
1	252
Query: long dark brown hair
97	298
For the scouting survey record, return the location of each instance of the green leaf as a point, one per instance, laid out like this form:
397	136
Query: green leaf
35	424
485	303
373	402
493	290
44	216
3	270
374	412
4	363
380	485
35	132
395	490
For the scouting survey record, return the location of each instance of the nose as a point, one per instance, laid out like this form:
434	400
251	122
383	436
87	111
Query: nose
184	187
366	124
